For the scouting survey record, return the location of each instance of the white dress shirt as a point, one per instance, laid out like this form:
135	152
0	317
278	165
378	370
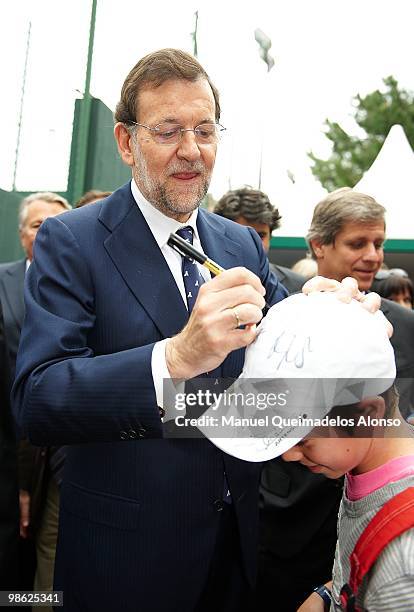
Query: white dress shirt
161	227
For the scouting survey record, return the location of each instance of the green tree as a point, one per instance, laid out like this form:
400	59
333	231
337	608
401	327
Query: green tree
376	113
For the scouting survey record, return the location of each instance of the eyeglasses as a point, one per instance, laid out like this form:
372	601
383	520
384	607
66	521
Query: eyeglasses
172	133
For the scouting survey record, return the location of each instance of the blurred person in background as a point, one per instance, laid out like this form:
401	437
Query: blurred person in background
395	285
306	267
9	501
91	196
33	210
38	489
252	207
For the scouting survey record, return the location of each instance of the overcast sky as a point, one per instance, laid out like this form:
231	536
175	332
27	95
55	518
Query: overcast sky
325	51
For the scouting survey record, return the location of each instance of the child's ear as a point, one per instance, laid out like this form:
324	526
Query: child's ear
368	409
373	407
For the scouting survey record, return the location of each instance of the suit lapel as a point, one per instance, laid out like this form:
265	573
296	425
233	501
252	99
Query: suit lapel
136	255
216	244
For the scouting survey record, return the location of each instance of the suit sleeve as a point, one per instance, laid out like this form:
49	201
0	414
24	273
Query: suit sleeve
63	392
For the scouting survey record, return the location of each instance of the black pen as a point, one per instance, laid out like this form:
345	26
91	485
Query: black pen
186	249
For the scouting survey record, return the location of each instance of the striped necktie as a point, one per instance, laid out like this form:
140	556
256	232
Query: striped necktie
193	279
192	276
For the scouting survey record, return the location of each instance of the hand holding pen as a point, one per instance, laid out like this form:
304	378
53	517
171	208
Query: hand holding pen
232	299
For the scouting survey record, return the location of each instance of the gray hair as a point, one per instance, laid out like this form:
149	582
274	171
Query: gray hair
338	208
45	196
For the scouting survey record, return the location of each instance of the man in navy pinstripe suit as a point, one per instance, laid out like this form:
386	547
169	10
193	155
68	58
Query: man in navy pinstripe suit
146	522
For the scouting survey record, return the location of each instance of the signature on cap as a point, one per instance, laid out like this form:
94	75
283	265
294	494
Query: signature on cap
291	348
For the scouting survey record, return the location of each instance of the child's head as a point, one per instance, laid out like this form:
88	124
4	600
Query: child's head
327	354
350	442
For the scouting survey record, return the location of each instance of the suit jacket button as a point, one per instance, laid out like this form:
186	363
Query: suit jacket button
132	434
142	432
123	435
218	505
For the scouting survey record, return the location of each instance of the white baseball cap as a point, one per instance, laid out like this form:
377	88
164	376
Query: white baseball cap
317	351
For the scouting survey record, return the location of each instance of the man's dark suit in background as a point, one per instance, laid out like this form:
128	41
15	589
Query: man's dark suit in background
35	483
9	506
402	342
11	295
289	279
12	276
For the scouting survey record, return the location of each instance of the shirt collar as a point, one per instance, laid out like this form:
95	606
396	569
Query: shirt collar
160	225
